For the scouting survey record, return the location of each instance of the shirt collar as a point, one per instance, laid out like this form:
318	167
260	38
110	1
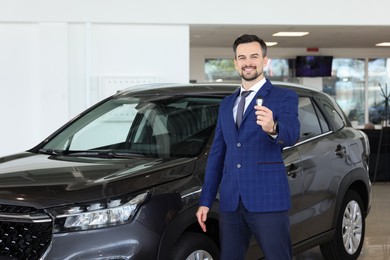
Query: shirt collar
255	88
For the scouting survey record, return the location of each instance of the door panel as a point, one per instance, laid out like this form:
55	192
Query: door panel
294	175
323	171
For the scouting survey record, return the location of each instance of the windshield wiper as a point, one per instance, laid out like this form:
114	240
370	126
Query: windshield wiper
50	151
91	153
103	154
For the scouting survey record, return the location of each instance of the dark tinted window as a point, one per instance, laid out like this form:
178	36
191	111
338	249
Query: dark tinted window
333	112
312	121
324	125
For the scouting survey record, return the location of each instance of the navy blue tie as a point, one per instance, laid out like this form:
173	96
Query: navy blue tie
240	107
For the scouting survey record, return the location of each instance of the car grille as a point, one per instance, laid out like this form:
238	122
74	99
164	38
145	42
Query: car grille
25	233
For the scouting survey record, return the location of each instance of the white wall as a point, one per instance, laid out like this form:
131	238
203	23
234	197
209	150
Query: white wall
50	72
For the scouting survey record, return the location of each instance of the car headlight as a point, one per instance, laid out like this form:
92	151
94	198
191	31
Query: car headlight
97	215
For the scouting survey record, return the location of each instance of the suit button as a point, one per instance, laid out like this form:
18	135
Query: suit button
238	144
238	166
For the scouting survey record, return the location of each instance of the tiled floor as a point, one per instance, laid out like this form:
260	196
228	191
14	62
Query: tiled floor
377	240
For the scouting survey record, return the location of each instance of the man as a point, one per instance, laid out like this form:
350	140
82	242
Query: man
245	162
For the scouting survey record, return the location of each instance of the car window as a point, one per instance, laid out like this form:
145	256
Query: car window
311	120
152	126
174	130
109	128
333	112
324	125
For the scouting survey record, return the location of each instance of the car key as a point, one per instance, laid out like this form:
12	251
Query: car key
259	101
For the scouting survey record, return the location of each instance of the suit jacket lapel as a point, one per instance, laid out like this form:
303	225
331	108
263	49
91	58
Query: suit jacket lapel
231	102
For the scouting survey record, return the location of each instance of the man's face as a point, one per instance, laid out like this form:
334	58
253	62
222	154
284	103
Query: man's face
249	61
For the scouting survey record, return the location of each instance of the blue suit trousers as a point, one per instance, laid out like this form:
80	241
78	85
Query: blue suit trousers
271	231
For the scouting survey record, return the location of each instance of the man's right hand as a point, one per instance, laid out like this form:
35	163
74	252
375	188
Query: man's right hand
201	214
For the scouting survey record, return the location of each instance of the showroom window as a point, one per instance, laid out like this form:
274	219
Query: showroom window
378	89
220	69
347	83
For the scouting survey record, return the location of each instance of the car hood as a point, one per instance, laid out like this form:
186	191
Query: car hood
43	181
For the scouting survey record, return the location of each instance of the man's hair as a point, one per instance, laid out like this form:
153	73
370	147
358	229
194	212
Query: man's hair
247	38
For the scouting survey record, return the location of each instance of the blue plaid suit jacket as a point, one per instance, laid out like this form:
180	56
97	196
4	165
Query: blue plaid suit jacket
247	162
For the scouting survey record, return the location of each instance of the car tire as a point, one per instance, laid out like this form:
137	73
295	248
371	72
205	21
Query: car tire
193	246
350	230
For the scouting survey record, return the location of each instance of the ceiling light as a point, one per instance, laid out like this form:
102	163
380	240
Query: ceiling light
271	43
290	34
383	44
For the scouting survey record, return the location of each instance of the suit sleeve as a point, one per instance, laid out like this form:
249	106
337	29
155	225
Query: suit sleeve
287	118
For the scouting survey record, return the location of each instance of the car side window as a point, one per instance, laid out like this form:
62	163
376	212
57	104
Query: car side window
333	113
324	125
311	120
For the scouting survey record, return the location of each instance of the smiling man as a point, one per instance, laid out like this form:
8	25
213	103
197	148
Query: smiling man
246	164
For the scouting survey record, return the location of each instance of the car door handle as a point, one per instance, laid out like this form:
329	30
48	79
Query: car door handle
340	151
293	170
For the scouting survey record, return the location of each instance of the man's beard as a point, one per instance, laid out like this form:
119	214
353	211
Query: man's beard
250	77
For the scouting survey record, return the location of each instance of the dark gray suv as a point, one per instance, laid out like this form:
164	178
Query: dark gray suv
122	180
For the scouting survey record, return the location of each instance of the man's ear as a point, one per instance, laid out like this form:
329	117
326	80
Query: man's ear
265	61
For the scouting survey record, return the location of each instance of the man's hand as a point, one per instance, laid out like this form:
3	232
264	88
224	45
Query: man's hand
264	118
201	214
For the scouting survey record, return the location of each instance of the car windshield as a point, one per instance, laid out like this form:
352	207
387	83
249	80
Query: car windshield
147	126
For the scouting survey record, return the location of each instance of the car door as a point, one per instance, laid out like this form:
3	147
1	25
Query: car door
292	162
321	169
293	166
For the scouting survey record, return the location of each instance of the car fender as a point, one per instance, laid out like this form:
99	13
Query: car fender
185	221
356	180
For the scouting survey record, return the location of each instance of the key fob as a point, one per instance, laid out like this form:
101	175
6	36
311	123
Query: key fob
259	101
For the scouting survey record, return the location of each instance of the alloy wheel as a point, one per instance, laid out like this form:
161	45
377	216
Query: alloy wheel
352	227
199	255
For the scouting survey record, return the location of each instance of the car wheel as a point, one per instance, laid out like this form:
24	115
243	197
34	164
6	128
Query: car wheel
349	237
194	246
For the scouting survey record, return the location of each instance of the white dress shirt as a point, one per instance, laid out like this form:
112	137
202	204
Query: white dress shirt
254	89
